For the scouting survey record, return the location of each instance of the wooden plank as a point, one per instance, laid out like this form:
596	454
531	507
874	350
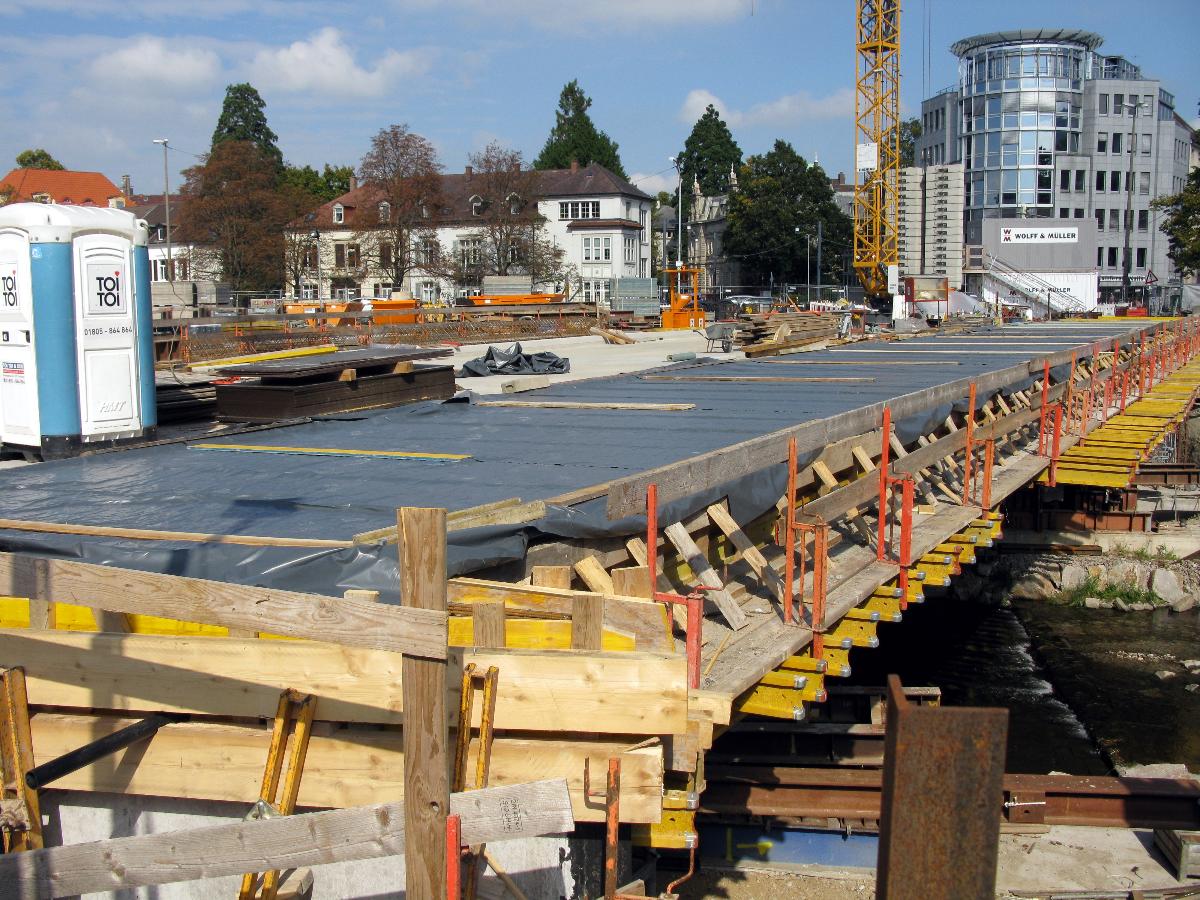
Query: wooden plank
698	563
144	534
426	730
633	616
587	622
629	692
487	622
516	515
348	766
332	619
43	614
527	383
730	528
861	362
594	576
552	576
285	842
568	404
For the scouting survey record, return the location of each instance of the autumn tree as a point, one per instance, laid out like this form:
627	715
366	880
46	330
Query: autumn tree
710	155
575	136
394	224
38	159
235	212
244	118
511	236
774	214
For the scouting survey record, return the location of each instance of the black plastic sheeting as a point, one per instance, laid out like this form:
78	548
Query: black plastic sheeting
531	454
514	361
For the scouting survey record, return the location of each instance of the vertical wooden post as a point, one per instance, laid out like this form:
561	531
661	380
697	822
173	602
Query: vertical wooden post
42	614
488	624
426	735
587	622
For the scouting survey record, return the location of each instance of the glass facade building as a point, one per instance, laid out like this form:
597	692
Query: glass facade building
1020	104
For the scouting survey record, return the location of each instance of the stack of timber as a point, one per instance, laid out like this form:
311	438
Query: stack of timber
771	333
367	378
185	401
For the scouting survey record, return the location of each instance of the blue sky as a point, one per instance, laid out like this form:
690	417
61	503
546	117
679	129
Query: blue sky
95	81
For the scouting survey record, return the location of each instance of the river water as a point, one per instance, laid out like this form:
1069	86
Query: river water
1079	684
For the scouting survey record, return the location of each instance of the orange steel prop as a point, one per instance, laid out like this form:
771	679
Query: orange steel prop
819	530
970	455
454	850
907	492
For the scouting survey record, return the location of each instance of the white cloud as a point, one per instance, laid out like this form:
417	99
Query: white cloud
617	14
790	109
153	64
653	183
324	64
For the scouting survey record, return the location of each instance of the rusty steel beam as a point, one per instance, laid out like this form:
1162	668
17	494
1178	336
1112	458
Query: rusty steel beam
805	792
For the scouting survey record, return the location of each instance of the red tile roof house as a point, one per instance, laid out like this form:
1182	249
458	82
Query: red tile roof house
58	186
599	220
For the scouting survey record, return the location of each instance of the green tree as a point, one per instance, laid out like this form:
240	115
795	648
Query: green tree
1181	224
38	159
709	154
910	130
321	186
780	200
237	212
243	118
575	137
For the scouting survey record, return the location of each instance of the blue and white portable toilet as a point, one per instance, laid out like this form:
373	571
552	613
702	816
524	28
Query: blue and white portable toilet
76	339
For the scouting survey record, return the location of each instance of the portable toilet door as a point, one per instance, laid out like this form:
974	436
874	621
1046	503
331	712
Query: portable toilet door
19	411
107	339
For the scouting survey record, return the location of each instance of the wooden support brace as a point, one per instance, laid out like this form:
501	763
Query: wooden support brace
487	623
594	576
696	560
730	528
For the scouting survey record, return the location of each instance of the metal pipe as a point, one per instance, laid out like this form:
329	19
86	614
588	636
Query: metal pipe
49	772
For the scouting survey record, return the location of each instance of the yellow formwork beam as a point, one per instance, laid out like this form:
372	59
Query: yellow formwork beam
676	830
808	686
851	633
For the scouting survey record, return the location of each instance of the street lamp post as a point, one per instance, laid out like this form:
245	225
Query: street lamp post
167	202
678	226
1127	262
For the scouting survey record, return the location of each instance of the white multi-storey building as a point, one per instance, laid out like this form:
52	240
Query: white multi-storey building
931	222
600	221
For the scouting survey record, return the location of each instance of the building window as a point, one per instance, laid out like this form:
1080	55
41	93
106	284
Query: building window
385	256
630	250
1099	257
564	210
1117	140
1080	180
1145	139
1141	257
1063	212
339	214
1114	181
1112	257
1100	181
383	290
1118	105
476	205
1101	141
1103	104
587	249
339	256
352	256
514	205
308	291
607	248
1079	212
1114	219
1143	182
1064	181
470	250
1099	221
1143	220
385	212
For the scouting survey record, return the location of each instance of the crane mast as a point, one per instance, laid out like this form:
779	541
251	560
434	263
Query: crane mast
877	142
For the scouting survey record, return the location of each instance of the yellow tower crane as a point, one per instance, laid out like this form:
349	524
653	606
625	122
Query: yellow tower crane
877	142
